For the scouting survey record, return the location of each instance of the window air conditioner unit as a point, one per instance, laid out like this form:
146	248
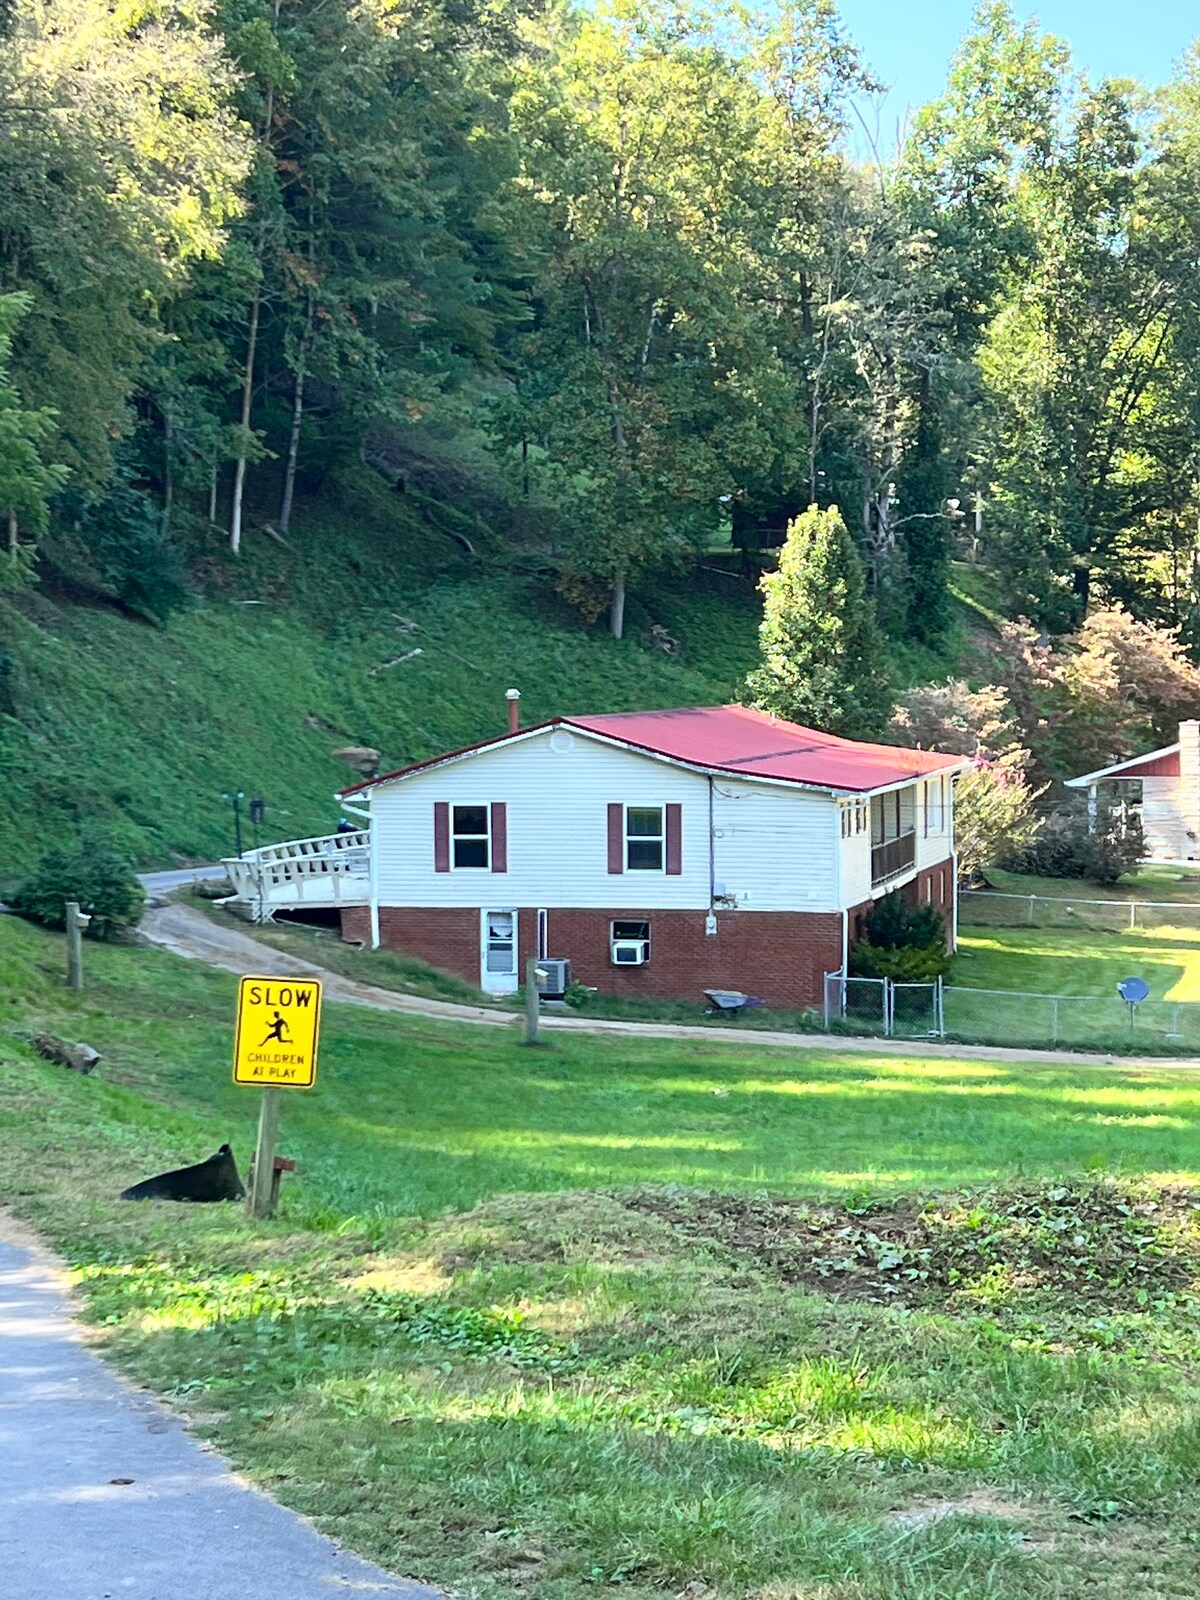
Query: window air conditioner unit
558	976
630	952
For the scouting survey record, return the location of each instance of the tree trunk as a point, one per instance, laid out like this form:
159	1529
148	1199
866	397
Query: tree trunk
12	532
616	611
239	476
212	497
293	451
168	471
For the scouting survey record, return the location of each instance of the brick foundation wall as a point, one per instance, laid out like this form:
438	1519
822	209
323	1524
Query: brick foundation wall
356	924
780	956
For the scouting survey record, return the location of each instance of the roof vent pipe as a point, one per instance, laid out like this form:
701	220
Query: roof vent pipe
513	696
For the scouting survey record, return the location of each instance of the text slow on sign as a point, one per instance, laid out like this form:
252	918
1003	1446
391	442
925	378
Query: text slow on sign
278	1021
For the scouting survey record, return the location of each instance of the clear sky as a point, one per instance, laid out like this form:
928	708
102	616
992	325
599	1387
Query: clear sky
908	43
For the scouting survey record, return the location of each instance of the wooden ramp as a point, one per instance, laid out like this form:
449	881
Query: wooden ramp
301	874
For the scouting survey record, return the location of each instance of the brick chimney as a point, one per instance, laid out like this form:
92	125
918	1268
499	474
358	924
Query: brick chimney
513	696
1189	786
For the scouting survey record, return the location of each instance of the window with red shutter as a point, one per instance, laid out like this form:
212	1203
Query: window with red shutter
674	841
616	838
499	836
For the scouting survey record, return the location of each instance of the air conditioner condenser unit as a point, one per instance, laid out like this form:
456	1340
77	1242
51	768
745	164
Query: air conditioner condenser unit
558	976
630	952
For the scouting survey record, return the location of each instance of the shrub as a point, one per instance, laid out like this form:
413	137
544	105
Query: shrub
1066	846
905	943
94	874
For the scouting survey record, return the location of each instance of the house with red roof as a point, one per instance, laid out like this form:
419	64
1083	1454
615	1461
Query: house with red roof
662	853
1165	785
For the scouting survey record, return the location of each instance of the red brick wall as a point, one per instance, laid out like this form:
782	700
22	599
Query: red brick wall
778	955
356	924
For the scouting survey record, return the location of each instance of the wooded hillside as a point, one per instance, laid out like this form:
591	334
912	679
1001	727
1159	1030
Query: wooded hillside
598	292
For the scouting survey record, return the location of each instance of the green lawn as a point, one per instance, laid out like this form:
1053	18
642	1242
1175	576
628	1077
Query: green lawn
497	1340
1054	961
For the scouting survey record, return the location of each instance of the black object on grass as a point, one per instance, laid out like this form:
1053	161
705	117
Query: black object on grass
214	1179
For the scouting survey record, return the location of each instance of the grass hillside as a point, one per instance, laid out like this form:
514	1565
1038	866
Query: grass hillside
290	653
644	1317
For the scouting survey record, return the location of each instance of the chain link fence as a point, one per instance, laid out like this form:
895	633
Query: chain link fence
879	1008
986	908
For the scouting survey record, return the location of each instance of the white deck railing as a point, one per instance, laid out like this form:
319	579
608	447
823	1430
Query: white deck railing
333	870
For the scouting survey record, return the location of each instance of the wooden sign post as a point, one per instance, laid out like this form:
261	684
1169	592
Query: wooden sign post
76	922
275	1047
533	1007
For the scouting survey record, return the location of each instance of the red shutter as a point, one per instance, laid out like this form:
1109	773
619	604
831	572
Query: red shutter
674	841
499	836
441	836
616	838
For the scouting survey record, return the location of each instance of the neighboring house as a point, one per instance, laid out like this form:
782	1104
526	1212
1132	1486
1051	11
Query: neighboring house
1166	785
663	852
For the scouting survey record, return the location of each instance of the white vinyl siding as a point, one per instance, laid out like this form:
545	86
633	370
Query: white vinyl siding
557	827
774	848
1162	822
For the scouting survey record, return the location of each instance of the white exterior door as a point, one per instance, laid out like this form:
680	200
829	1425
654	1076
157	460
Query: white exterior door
498	952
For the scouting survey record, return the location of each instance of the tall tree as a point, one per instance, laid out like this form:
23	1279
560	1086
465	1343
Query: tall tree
823	657
28	476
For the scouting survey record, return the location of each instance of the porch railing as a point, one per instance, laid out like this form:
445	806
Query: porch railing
892	857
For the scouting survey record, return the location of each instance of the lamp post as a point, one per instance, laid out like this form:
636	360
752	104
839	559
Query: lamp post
234	798
257	810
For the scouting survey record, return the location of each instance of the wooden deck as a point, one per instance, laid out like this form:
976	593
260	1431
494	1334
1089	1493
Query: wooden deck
300	874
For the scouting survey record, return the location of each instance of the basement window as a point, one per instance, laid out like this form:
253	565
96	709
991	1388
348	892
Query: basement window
471	836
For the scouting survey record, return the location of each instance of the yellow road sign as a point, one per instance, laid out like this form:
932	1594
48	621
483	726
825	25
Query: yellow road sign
278	1021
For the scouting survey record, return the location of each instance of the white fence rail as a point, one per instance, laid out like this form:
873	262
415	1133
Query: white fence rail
989	908
333	870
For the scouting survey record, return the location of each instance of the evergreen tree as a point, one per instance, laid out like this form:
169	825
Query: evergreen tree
822	653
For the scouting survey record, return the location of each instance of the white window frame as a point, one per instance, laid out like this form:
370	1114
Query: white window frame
499	982
486	835
646	838
641	922
935	806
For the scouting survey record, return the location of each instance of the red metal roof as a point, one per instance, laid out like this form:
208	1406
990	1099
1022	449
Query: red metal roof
1162	764
737	740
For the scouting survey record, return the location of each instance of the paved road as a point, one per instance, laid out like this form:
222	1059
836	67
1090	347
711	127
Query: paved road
183	1528
156	883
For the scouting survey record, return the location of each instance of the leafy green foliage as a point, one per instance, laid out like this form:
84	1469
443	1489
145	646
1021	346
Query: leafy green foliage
822	655
27	478
903	942
121	539
92	873
1069	845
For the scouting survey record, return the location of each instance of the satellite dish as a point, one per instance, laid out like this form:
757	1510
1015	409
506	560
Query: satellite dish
1133	990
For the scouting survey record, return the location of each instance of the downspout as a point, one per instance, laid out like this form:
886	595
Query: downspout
954	905
372	872
712	849
845	940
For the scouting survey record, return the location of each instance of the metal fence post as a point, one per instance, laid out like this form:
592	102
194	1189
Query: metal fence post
1054	1019
889	1007
1133	905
